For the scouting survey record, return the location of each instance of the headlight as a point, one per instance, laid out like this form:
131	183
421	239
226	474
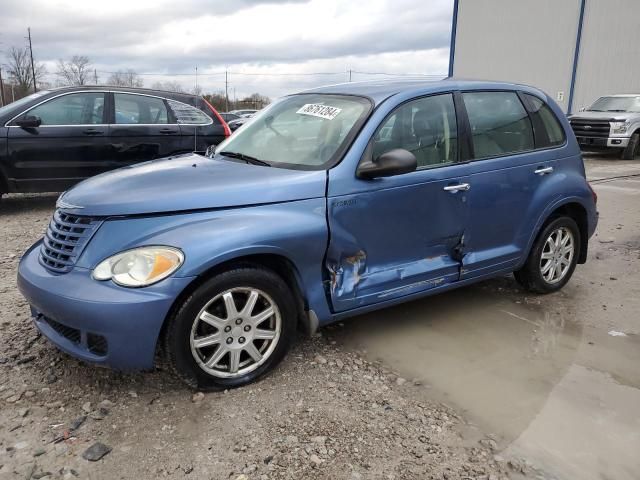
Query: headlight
619	127
139	267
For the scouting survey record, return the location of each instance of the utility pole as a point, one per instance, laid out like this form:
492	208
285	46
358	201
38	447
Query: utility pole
226	90
33	70
349	75
95	75
1	90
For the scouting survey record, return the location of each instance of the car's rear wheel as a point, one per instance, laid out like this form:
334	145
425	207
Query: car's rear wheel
553	257
232	330
633	147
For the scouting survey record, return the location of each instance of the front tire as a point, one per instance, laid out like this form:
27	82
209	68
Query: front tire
233	329
632	148
553	257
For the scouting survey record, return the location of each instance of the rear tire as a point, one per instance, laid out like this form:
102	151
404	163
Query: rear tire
633	147
233	329
553	257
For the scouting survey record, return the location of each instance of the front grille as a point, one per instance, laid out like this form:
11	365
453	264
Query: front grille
583	127
71	334
65	239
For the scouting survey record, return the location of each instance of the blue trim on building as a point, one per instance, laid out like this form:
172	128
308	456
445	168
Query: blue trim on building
454	28
576	56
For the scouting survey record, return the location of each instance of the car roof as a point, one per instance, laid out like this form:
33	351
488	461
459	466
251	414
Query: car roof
380	90
113	88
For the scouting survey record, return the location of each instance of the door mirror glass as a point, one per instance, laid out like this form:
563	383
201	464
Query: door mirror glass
29	121
393	162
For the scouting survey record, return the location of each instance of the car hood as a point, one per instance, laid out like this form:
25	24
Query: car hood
612	116
189	182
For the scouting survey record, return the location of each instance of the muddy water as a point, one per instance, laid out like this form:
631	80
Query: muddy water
556	378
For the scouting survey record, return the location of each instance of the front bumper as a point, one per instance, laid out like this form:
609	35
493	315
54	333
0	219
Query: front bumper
602	142
98	322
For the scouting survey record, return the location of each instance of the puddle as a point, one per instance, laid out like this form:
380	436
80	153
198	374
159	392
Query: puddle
555	392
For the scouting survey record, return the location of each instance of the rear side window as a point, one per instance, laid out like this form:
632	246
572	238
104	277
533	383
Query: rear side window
426	127
75	109
547	128
188	115
139	109
499	124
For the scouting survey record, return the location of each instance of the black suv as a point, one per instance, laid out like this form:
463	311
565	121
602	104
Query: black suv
54	138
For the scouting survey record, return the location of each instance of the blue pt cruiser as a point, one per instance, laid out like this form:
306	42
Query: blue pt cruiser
327	204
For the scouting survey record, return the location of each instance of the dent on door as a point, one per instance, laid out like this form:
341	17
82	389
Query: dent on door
368	269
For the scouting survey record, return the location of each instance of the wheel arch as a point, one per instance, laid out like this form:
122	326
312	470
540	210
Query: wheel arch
573	209
277	263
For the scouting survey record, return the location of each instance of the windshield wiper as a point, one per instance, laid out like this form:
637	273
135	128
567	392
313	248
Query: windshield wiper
246	158
594	110
617	110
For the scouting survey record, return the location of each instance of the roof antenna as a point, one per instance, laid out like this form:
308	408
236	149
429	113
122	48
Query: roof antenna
195	135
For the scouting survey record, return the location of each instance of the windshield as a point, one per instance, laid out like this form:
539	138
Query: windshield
22	101
616	104
306	131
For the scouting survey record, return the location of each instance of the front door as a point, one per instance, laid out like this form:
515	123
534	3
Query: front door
68	146
401	235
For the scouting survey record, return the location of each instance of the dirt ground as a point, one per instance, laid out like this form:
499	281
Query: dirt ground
480	383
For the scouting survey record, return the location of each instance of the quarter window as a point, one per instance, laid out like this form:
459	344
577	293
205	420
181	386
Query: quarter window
188	115
73	109
547	128
499	124
139	109
426	127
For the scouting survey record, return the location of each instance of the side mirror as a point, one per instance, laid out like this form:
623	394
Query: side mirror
29	121
393	162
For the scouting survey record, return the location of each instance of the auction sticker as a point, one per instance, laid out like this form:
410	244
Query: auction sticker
317	110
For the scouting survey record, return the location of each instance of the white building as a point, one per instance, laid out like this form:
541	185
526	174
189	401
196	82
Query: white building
574	50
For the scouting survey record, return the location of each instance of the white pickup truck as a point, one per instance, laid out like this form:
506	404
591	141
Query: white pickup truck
611	122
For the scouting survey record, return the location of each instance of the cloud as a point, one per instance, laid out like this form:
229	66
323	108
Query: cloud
271	36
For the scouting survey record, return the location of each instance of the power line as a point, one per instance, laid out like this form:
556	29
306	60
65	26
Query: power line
282	74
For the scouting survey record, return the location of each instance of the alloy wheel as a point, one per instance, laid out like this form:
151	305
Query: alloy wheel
557	255
235	332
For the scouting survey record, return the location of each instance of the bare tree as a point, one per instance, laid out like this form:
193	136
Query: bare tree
169	86
20	70
75	71
126	78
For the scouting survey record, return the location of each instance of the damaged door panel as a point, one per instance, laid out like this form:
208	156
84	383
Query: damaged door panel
395	241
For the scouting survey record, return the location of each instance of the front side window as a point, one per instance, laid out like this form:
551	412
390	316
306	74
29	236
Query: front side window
134	109
499	124
188	115
306	131
546	127
73	109
426	127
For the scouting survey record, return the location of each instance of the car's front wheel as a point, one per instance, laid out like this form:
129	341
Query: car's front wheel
553	257
232	330
633	148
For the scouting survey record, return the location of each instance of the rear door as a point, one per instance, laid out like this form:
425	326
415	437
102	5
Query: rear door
141	129
399	235
513	155
68	146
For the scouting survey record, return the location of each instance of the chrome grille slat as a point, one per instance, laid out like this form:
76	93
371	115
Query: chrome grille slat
64	240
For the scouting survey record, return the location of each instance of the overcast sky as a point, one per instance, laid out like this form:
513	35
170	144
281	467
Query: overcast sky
243	36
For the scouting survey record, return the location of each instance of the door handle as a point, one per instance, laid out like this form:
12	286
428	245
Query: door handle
455	188
543	170
167	131
92	131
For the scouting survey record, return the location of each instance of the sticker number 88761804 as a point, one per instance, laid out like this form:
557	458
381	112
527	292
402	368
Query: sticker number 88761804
317	110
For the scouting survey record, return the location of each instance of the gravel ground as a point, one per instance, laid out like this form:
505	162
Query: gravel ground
326	412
